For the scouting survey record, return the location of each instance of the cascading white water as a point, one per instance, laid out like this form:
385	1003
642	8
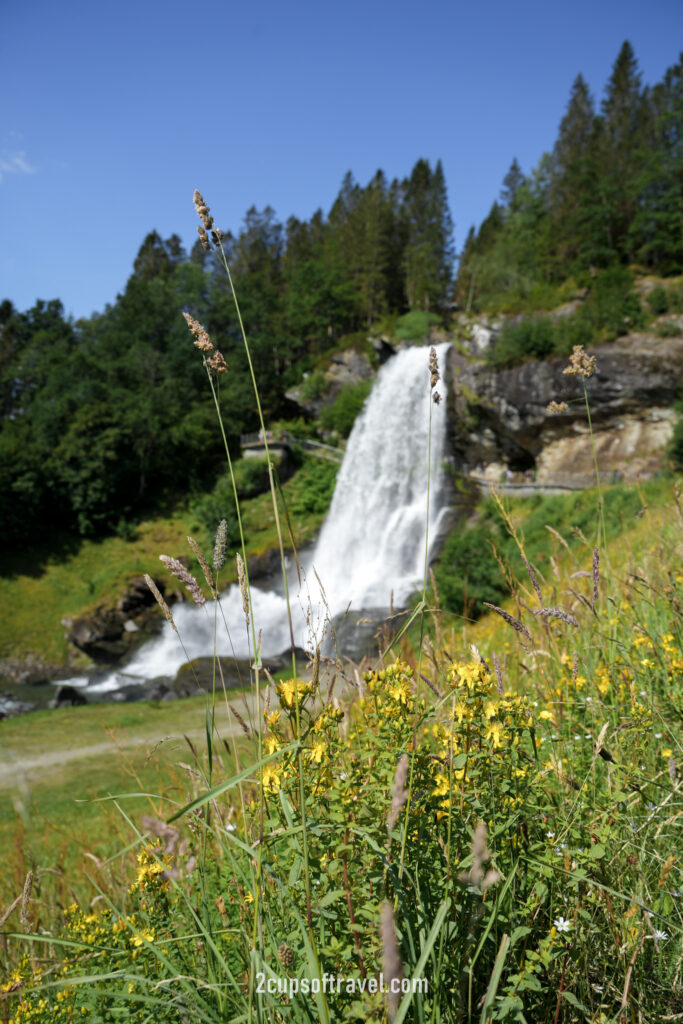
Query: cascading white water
372	544
373	540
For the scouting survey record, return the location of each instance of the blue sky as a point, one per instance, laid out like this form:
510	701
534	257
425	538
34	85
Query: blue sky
113	113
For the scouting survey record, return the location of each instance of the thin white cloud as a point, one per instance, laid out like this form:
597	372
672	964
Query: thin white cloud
14	162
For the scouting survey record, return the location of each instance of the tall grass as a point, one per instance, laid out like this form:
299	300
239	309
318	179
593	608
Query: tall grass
495	830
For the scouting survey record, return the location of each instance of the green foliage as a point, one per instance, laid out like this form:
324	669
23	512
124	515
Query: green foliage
468	573
251	478
610	193
415	326
611	309
314	385
477	808
670	329
677	439
310	491
658	300
614	307
531	339
341	415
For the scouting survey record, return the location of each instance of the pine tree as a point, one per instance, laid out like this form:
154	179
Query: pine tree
573	159
429	238
624	126
511	184
656	230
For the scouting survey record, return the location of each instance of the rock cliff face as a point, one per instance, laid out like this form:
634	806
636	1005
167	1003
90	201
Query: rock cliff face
500	423
348	367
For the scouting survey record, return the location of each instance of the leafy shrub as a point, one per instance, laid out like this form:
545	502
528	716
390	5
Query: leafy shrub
467	572
314	385
658	300
613	305
415	326
676	446
341	415
251	478
311	490
612	309
670	329
532	338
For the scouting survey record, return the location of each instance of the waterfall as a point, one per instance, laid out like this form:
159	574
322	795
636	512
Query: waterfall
373	540
372	544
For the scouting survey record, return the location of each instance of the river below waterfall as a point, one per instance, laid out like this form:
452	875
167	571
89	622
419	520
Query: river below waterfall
370	553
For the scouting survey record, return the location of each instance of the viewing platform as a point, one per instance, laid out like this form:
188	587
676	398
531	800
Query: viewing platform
279	444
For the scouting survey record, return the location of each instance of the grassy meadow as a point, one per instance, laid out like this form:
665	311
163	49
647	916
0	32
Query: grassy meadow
510	812
483	823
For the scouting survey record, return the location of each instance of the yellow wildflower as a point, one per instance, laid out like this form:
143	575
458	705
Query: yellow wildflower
441	788
490	709
495	732
271	743
317	752
400	692
461	711
272	779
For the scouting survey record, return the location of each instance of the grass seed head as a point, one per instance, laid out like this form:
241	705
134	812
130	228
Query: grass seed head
477	875
199	555
160	601
242	580
393	967
217	362
178	570
26	897
596	574
201	338
580	364
219	545
435	376
518	626
399	793
202	210
499	675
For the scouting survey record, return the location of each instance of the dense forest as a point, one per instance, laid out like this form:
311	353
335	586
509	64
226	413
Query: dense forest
99	415
609	193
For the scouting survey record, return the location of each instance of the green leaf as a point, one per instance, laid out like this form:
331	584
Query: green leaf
495	977
330	898
232	781
424	954
519	933
573	1001
597	852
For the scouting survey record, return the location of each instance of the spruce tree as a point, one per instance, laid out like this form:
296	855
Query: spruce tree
511	184
624	126
429	238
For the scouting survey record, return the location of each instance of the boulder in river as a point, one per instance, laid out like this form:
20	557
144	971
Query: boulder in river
68	697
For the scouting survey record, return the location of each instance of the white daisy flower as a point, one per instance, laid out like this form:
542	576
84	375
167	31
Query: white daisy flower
562	924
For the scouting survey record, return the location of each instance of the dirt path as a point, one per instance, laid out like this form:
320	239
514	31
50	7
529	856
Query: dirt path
17	767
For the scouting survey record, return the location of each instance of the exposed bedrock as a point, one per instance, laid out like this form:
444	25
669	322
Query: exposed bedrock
499	423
